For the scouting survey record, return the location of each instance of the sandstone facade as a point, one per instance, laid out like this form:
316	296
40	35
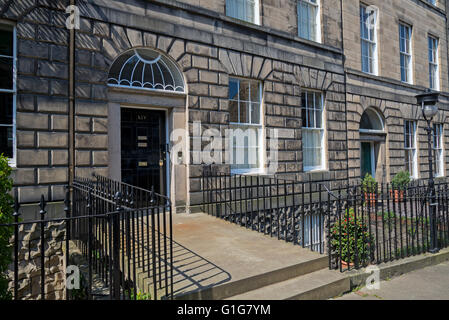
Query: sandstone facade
210	47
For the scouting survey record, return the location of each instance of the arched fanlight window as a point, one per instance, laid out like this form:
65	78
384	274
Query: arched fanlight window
371	121
145	69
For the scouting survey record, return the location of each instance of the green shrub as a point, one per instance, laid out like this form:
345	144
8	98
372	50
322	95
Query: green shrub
400	180
343	238
369	184
140	295
6	211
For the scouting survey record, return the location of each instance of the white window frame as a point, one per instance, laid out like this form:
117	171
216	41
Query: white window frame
317	21
245	126
413	148
438	149
434	68
256	11
408	54
322	131
369	42
13	161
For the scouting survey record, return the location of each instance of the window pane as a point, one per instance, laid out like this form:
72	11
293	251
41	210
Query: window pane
233	111
255	91
244	114
244	90
6	108
6	141
409	161
245	148
305	123
367	34
318	118
403	71
233	89
255	113
307	20
6	73
6	43
311	110
312	149
410	147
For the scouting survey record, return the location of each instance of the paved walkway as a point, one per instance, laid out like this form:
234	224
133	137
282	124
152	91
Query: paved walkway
431	283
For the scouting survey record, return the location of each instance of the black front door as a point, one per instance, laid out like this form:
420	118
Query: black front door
144	148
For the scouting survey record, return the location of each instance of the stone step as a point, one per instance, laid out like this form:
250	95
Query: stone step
242	286
318	285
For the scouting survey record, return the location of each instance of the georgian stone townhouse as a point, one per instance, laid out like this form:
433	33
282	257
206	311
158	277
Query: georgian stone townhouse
131	89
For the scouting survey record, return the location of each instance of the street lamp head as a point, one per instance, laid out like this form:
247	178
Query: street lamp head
428	102
430	111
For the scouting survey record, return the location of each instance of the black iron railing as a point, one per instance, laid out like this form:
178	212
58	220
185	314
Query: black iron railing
292	211
120	236
382	223
355	225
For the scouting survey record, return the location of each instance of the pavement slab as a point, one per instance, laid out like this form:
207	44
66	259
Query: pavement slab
430	283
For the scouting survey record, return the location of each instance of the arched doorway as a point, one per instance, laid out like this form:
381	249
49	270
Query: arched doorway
147	101
372	144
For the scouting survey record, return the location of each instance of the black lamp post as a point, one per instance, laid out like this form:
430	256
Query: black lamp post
428	102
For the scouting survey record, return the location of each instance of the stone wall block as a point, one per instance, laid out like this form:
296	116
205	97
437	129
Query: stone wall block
59	122
52	140
135	37
32	157
236	62
52	104
163	43
32	121
226	61
91	141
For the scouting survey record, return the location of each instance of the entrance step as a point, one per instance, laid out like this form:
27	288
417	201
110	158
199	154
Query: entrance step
257	282
318	285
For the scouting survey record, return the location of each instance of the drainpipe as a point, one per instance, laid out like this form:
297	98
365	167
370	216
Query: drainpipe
71	102
346	91
447	31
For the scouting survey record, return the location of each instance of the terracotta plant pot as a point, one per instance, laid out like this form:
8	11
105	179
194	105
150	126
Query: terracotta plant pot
370	198
398	195
344	264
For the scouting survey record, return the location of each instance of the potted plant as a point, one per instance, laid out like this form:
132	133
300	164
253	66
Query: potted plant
369	186
398	185
347	235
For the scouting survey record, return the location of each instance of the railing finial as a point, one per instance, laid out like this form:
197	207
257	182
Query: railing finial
42	205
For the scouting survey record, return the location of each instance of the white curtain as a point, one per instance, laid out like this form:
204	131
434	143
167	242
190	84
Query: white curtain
312	148
307	15
241	9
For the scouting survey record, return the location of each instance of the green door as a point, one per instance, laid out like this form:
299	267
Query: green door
367	159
